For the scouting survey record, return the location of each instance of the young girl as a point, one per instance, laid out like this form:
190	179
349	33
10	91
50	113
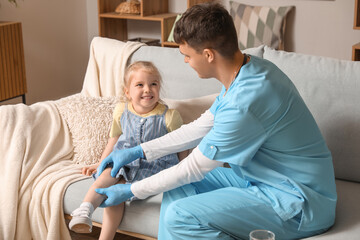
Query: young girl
139	119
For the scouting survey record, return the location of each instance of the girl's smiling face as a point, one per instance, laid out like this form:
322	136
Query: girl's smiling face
143	91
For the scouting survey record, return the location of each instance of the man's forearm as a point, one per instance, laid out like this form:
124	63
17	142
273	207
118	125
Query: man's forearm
186	137
191	169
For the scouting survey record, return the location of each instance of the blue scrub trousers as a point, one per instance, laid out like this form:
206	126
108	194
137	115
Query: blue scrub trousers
222	206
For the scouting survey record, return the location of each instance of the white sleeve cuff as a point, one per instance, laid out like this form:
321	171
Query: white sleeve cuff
191	169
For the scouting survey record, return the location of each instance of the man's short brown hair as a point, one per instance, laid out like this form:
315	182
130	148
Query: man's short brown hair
207	25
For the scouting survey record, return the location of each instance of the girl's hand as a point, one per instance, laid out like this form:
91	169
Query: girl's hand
89	170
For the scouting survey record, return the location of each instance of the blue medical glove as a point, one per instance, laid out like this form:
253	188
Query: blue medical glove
116	194
119	158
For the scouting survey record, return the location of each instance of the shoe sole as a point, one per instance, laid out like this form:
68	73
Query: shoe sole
81	228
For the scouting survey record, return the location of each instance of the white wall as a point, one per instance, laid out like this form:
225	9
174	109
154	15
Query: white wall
57	34
55	37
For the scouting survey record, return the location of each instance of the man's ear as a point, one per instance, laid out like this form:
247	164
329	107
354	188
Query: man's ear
209	54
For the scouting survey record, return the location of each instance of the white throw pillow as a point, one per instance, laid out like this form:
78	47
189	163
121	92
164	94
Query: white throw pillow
89	120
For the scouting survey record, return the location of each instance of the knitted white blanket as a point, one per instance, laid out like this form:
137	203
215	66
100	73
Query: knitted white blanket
36	149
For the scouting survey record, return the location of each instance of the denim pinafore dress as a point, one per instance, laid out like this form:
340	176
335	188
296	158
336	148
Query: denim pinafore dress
137	130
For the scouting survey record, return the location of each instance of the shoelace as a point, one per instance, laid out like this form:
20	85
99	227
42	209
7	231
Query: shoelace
81	212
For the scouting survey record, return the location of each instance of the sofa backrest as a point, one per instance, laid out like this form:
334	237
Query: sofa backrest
180	80
331	90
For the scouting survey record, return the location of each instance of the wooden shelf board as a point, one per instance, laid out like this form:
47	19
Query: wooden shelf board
356	52
191	3
158	17
170	44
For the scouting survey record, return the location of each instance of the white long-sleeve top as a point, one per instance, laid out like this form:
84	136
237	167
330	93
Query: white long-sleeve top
191	169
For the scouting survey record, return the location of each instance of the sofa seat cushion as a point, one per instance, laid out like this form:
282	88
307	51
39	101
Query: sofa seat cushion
140	216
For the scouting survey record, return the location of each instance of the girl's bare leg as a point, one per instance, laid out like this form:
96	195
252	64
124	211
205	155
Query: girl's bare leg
81	221
111	220
103	181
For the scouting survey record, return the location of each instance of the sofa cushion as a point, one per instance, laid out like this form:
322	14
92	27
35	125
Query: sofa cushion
257	25
143	216
255	51
89	120
330	88
140	216
173	73
179	75
191	109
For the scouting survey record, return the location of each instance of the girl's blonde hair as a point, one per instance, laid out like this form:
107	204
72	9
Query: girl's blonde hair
145	66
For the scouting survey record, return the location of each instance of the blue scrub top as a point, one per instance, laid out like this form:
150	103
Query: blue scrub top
264	130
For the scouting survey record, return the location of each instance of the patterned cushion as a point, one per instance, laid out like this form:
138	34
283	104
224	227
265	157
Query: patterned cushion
257	25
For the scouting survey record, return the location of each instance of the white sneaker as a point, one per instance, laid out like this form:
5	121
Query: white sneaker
81	219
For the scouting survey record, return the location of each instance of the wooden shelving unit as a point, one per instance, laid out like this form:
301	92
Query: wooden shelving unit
12	63
356	47
114	25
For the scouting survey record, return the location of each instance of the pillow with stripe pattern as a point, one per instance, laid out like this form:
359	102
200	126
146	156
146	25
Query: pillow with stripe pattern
258	25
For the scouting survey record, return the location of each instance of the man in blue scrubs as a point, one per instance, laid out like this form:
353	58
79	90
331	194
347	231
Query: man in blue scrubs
281	176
